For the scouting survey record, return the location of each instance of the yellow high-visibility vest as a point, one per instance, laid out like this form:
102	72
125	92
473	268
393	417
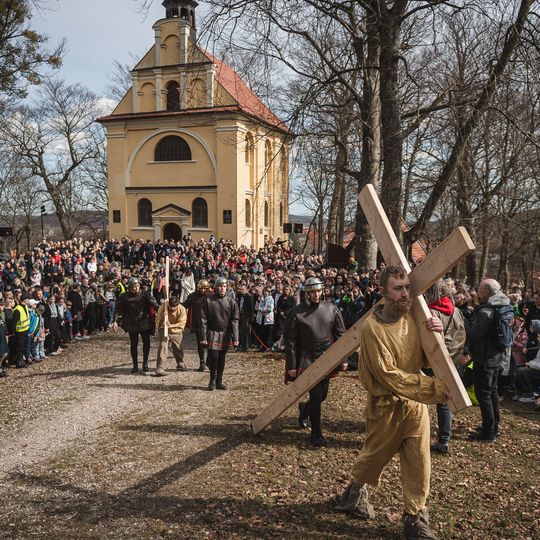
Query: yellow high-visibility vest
23	324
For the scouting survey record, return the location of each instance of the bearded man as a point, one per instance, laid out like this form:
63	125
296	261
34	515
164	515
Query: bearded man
397	420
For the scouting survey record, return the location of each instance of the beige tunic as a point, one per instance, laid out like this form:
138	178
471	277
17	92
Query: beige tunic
396	418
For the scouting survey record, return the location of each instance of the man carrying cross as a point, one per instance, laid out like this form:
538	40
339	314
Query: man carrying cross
391	357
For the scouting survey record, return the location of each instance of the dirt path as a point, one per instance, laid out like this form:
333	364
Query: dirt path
89	451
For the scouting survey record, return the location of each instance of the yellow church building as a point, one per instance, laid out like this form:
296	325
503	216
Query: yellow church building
191	148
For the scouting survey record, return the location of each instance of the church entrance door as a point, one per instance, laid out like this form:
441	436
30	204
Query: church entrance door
172	231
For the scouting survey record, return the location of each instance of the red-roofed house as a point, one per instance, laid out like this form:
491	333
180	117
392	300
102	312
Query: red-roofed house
191	148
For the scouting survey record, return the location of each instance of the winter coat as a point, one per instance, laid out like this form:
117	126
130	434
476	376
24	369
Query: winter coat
482	332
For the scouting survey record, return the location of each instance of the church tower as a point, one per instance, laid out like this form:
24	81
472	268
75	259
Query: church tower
191	148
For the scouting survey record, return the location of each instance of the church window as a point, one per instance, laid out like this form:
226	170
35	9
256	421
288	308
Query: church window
172	148
266	215
248	213
144	212
173	96
199	212
268	169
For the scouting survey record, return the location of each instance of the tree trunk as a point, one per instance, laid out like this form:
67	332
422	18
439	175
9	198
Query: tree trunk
370	112
503	274
392	142
483	269
334	210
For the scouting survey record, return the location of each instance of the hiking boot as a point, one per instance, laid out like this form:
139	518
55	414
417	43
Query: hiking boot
439	448
145	366
135	370
303	415
417	527
212	385
160	372
317	440
480	436
181	367
354	501
221	386
201	367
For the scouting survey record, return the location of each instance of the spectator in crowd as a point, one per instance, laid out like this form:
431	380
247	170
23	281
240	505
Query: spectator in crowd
442	307
246	310
487	357
265	318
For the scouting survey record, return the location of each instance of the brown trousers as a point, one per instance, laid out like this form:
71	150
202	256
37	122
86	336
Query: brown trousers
163	349
402	428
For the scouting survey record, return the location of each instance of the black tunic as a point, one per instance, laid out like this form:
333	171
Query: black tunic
310	329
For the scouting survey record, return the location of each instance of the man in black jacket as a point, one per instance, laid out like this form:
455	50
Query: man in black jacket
310	329
487	357
132	311
246	307
194	302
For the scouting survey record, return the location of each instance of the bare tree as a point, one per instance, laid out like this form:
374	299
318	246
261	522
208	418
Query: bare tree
54	138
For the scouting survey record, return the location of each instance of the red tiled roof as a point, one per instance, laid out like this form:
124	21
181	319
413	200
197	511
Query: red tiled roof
240	92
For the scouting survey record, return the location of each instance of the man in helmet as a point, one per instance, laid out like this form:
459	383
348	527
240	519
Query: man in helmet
218	326
310	329
194	302
132	311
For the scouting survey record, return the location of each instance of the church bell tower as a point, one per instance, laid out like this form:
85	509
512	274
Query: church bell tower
182	9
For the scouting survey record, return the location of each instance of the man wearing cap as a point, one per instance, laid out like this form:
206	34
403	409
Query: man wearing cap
21	325
218	325
194	303
172	315
310	329
132	311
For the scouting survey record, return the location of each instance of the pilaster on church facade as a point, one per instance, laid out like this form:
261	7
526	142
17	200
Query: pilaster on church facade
191	148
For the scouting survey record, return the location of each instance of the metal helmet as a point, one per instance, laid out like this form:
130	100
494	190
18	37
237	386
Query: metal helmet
221	281
203	284
133	281
313	284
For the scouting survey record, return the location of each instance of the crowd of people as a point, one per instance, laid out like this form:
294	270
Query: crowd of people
275	299
60	292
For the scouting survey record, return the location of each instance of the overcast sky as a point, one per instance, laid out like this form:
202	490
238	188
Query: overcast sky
97	32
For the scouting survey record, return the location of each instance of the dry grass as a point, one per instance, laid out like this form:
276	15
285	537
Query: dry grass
163	458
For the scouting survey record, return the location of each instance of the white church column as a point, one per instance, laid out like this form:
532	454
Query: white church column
210	86
157	47
159	88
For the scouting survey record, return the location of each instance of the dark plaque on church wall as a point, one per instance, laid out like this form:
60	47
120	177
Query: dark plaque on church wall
227	217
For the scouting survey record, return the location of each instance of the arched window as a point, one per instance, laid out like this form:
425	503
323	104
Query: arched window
199	213
266	215
173	96
248	213
280	214
268	162
172	148
249	156
144	213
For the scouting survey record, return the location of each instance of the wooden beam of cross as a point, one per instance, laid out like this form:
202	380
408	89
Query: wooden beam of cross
442	259
166	287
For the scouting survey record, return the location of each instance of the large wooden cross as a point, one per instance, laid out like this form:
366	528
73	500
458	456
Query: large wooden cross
447	255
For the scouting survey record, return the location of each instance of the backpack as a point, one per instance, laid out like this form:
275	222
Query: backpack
503	318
